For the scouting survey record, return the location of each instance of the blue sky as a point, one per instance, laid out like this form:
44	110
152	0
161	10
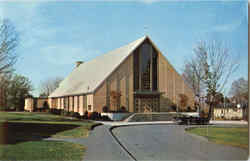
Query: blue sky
56	34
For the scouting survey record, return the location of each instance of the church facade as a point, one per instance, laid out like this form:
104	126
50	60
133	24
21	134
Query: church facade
136	77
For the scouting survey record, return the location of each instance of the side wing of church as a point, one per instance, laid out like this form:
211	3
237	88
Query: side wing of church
136	77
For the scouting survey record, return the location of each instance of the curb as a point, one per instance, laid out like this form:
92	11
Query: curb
121	145
95	125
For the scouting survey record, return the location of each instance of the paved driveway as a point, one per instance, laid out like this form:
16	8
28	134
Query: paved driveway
168	142
102	146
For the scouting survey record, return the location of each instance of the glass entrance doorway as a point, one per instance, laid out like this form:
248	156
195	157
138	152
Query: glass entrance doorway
144	104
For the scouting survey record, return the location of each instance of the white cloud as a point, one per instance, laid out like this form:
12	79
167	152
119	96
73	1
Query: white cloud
27	20
149	1
227	27
66	54
37	35
19	12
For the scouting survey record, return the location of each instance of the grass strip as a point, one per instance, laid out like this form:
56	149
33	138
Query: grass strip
237	136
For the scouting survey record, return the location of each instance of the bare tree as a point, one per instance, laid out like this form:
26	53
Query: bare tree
239	87
192	76
217	65
8	44
49	85
239	91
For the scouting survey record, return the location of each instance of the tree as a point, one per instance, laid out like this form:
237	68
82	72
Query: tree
14	89
183	100
8	44
218	99
5	81
115	99
239	87
19	88
239	90
49	85
217	65
192	75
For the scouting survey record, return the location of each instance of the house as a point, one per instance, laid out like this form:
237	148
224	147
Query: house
33	103
229	113
136	77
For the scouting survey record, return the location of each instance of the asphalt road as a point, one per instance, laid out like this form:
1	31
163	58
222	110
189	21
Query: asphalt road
168	142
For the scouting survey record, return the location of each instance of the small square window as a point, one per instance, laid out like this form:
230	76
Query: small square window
89	107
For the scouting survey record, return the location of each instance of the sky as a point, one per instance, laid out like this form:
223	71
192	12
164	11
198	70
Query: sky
54	35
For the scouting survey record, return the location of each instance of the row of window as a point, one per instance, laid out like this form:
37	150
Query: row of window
69	102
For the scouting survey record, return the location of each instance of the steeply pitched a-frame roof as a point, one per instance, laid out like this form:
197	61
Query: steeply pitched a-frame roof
89	75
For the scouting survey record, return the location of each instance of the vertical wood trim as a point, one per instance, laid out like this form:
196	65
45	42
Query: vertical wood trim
127	91
139	105
63	103
73	103
108	93
157	70
118	91
174	88
151	67
68	103
140	54
78	104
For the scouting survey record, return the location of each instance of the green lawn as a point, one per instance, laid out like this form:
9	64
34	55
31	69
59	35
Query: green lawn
42	150
230	136
32	116
44	124
22	135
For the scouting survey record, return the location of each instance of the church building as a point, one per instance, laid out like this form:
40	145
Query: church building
136	77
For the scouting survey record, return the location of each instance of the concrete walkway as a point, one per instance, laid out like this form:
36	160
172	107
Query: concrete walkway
212	122
228	122
122	123
162	140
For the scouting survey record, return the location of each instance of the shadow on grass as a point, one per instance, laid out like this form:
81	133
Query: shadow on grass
16	132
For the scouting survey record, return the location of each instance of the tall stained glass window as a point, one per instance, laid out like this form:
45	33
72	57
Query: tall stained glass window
145	66
136	69
154	70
